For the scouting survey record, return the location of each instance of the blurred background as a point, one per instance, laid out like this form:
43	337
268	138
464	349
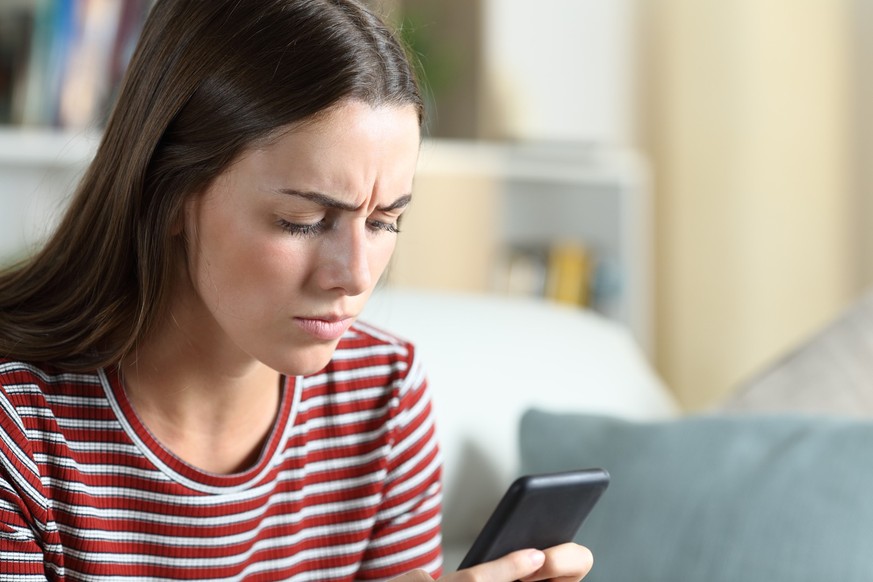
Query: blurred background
693	169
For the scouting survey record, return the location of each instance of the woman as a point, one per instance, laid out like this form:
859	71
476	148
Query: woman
185	392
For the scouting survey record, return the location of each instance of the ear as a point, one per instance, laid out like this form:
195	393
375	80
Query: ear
185	216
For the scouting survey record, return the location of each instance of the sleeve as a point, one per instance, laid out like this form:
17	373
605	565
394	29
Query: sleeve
407	532
21	503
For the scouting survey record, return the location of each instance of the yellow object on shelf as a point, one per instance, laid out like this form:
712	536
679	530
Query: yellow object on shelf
570	270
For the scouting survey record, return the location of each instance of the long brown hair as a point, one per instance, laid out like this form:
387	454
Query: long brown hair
208	79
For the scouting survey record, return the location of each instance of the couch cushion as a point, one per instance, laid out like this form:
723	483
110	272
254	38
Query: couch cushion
718	498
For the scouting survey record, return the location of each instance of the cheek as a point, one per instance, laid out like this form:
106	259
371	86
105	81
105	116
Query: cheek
261	267
243	270
255	283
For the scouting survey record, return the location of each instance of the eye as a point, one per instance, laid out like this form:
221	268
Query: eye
302	230
381	226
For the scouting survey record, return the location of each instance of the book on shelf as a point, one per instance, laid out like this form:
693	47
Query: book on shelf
570	273
15	42
561	271
521	271
62	60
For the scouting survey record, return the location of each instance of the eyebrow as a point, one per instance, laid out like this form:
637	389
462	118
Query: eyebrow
330	202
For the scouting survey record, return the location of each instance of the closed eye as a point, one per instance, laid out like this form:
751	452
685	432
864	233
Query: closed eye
302	230
380	226
317	228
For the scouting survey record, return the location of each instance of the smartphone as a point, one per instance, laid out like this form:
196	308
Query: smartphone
538	511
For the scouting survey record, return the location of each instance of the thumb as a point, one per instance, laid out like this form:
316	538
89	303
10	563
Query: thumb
514	566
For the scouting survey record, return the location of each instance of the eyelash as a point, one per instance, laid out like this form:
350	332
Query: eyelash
313	230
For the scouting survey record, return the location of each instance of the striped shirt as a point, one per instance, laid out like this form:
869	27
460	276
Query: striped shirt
347	485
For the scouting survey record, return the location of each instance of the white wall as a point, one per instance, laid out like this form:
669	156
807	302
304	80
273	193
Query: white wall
563	69
751	145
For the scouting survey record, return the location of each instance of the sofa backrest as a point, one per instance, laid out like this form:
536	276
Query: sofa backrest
489	358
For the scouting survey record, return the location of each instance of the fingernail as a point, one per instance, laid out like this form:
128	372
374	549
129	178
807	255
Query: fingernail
537	558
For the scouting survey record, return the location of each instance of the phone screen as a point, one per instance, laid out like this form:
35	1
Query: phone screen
538	511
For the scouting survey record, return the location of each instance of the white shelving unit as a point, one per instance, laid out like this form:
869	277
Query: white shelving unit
38	170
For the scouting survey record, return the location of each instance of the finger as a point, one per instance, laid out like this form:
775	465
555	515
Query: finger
514	566
567	562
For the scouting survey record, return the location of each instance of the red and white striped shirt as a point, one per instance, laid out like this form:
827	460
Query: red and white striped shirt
347	486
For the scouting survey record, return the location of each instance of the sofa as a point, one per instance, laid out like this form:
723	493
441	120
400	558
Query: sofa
525	386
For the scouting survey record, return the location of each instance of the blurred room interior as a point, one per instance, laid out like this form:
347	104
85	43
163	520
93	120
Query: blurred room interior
694	170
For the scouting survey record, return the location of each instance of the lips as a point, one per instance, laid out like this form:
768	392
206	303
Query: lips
326	328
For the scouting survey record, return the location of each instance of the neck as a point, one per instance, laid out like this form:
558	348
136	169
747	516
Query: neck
214	408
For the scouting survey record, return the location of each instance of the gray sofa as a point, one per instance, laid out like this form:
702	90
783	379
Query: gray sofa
719	498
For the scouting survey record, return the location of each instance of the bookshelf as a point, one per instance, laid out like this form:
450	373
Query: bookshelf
60	64
61	60
538	197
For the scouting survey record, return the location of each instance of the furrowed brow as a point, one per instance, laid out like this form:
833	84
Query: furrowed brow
401	202
329	202
320	199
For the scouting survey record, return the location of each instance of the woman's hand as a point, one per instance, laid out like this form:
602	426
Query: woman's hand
565	563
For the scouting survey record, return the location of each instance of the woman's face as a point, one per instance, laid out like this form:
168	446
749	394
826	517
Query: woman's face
285	247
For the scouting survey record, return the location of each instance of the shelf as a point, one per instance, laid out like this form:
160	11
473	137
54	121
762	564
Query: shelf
46	148
551	162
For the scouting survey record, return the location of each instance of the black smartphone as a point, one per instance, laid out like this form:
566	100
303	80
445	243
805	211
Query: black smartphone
538	511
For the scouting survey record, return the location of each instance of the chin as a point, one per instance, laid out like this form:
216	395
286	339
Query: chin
306	361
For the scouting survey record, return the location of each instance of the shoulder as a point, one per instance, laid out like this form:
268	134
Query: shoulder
369	356
364	340
28	384
45	374
15	369
17	378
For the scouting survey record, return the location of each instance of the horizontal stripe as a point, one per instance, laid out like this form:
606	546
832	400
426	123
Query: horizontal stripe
368	352
357	374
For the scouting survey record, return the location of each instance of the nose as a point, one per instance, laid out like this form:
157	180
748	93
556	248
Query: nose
344	263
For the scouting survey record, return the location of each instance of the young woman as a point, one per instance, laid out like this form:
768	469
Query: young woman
185	392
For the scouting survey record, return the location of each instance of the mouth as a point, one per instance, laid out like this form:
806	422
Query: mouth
325	327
